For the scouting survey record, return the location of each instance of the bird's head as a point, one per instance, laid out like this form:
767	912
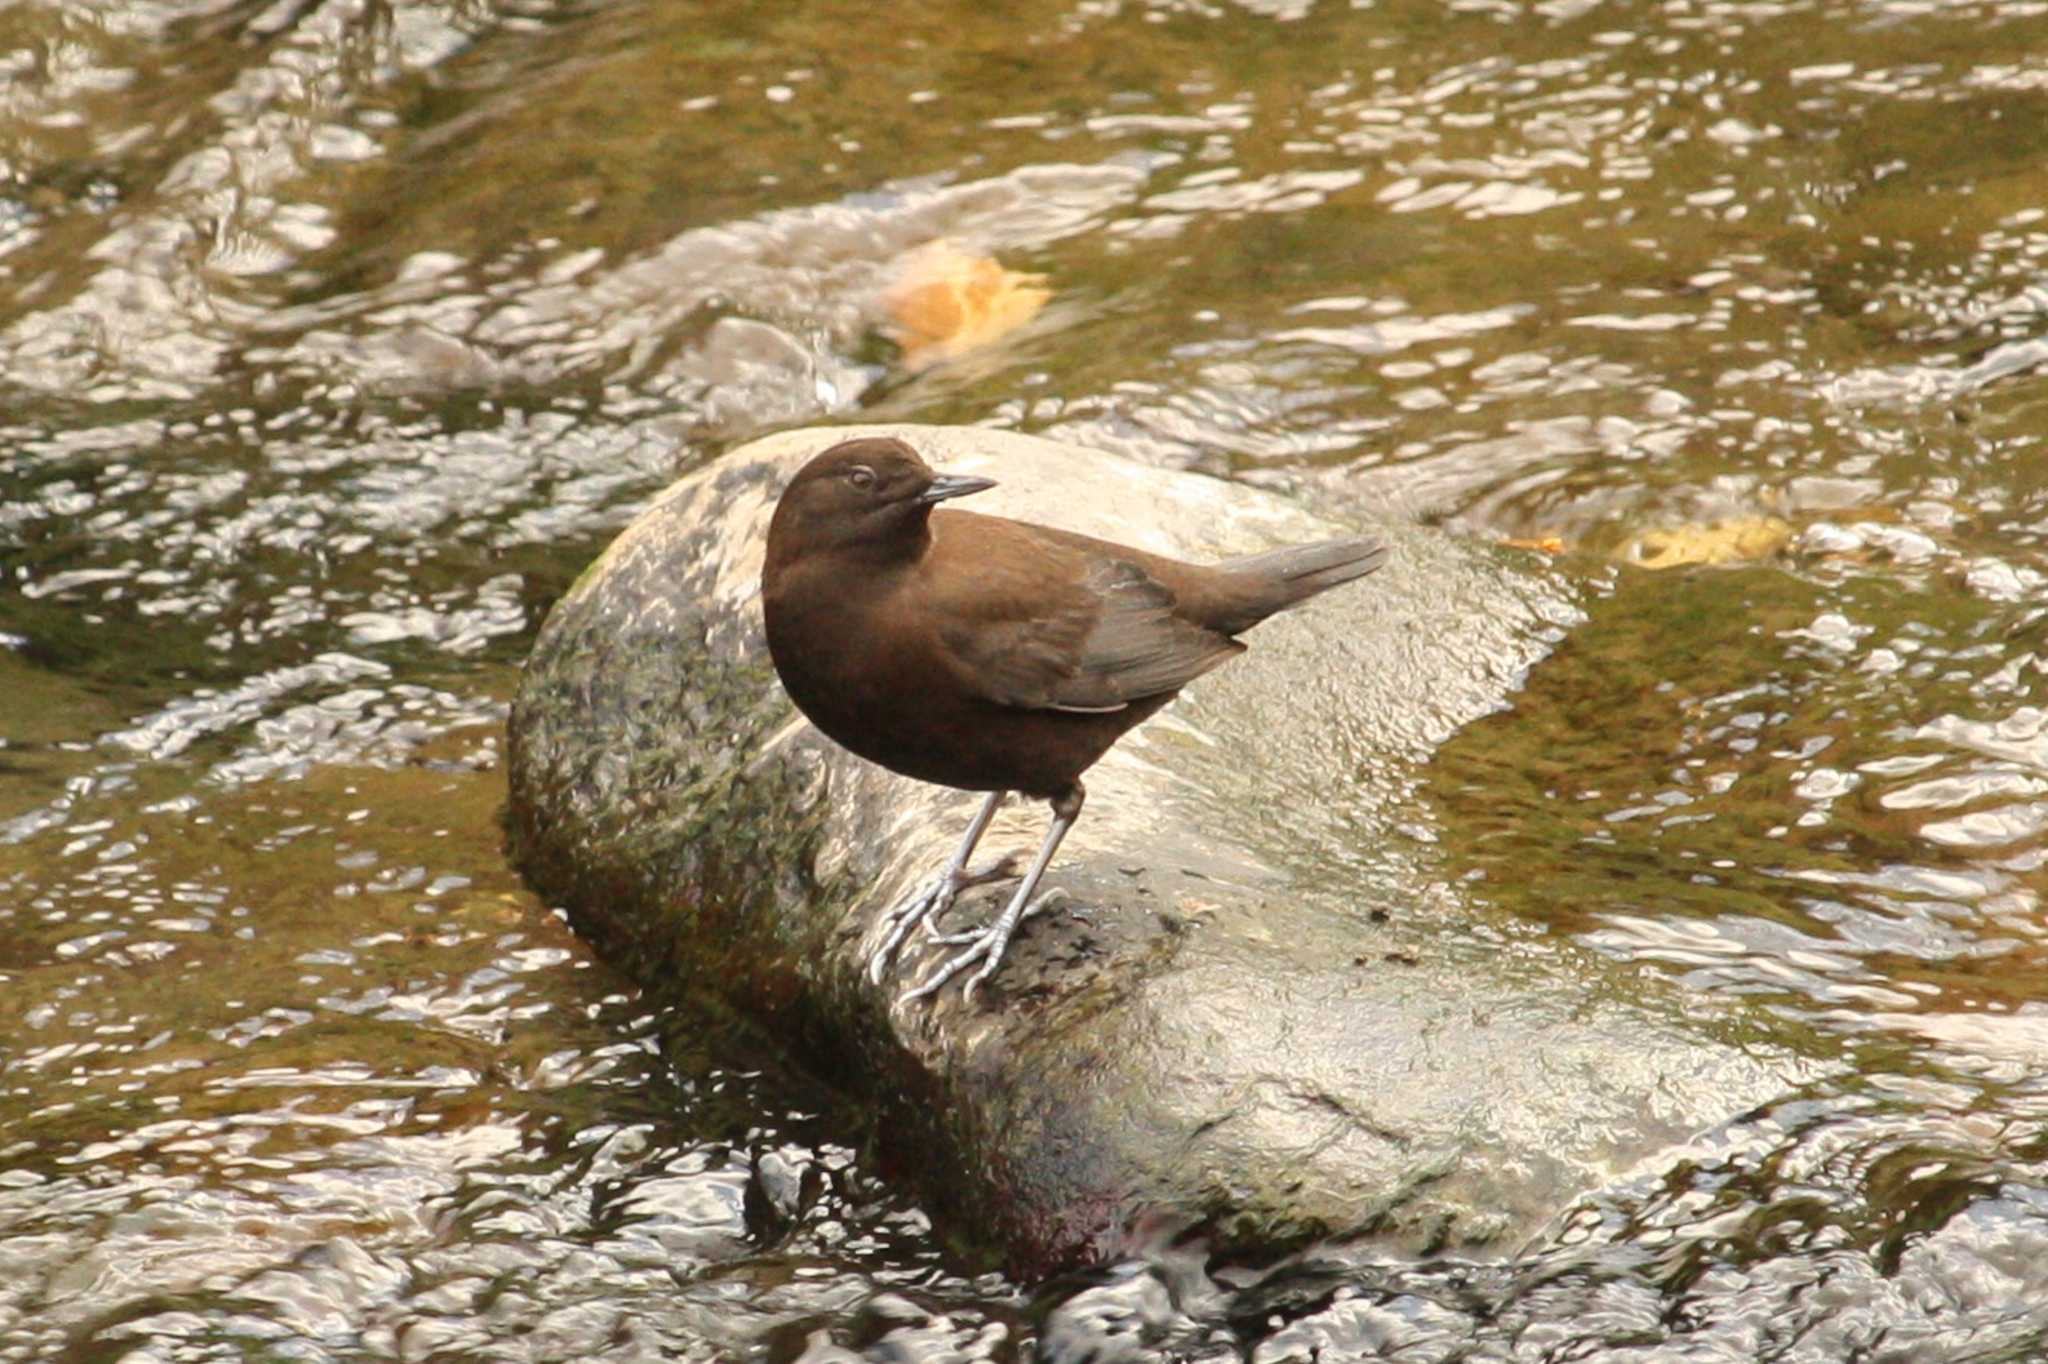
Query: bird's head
871	495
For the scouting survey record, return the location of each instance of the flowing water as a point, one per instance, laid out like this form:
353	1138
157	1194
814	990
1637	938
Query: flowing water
336	337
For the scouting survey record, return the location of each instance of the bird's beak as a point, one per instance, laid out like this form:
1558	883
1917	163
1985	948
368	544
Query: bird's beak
952	485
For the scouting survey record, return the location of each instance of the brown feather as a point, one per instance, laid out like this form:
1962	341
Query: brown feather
1043	620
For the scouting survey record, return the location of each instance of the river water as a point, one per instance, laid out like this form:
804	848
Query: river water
335	338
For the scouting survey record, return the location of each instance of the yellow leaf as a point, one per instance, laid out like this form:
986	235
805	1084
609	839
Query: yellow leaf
946	303
1723	542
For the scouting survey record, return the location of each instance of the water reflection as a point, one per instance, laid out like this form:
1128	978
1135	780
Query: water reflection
296	1064
335	339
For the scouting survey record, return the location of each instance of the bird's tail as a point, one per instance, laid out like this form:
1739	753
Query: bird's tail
1282	577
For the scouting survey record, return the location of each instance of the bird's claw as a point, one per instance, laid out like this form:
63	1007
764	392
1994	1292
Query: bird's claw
986	945
926	903
974	935
914	908
1003	868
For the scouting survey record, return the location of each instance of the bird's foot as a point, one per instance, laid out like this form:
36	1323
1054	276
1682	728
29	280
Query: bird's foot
924	905
985	945
974	935
1003	868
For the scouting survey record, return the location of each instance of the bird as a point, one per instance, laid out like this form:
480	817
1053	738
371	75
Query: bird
990	654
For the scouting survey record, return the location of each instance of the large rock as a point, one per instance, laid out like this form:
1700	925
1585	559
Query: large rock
1260	1013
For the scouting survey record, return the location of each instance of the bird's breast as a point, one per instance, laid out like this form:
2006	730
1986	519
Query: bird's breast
870	667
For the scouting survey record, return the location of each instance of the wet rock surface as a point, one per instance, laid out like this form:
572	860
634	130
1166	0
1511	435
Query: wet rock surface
1262	1012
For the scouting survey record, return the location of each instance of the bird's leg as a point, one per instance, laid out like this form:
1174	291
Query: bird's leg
988	945
929	900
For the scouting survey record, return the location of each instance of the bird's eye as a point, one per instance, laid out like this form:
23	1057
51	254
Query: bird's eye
861	477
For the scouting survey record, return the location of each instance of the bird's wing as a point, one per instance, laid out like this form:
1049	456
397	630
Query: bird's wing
1046	626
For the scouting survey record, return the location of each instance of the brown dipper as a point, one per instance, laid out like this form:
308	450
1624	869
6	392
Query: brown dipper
990	654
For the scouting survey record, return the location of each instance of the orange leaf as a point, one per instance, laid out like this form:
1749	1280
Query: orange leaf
946	303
